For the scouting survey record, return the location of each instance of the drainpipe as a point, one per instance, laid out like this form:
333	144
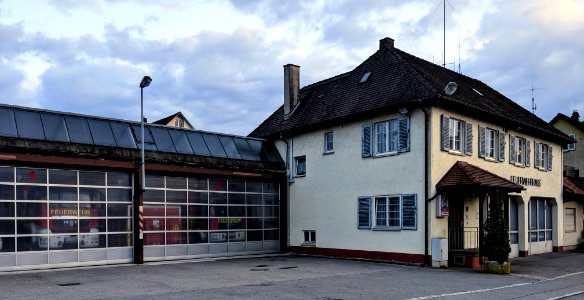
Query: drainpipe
427	145
288	181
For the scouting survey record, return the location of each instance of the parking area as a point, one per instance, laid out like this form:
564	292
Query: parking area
299	277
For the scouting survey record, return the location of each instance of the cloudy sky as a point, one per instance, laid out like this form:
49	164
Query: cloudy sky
220	62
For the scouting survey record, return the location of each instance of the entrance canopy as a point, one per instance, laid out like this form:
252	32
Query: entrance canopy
463	175
574	188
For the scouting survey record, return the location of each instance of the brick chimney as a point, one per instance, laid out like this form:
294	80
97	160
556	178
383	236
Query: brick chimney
291	88
385	43
576	116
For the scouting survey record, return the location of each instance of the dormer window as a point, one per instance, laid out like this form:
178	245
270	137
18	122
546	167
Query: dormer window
365	77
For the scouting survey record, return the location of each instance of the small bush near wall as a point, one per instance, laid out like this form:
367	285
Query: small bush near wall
497	246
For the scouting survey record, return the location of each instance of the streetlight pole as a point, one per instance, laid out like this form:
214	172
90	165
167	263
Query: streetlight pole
139	242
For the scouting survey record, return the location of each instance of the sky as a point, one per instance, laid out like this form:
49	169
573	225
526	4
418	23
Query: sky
220	62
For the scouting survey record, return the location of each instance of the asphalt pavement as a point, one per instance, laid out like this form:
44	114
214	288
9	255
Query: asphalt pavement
547	276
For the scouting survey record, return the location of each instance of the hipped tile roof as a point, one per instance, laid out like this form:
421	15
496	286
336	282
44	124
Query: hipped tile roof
463	174
397	80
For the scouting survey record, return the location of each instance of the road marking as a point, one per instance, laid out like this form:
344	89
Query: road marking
567	295
500	288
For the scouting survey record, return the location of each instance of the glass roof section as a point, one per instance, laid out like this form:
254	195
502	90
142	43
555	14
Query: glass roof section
30	123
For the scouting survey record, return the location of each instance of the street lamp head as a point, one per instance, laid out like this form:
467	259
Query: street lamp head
145	81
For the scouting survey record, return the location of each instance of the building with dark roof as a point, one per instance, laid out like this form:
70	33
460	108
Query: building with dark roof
71	192
176	120
573	160
390	159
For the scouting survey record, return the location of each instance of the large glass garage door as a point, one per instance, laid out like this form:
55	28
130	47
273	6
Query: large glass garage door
209	217
64	217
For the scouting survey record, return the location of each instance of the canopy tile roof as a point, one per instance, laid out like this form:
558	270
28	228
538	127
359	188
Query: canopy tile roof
463	174
574	185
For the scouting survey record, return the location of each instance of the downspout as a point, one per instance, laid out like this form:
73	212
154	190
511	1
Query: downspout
427	261
288	182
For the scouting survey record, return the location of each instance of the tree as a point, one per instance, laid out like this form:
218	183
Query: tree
497	246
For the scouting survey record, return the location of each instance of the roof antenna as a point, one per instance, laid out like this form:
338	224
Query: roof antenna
443	2
459	50
533	105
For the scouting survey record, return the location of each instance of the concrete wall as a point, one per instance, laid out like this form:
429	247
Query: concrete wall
574	158
325	200
551	181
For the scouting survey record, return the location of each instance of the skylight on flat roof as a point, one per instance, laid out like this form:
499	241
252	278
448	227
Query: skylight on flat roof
365	77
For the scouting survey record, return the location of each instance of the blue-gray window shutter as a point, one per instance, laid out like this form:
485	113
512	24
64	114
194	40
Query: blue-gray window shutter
536	155
502	146
512	150
409	212
481	141
404	134
468	139
527	153
550	156
445	136
367	140
364	213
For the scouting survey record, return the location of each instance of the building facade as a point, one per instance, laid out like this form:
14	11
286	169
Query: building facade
400	153
71	192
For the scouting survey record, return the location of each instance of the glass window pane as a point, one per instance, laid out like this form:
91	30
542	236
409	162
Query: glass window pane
218	198
58	176
253	223
6	192
198	144
119	179
272	152
6	174
253	187
198	210
58	193
244	149
91	194
218	237
198	224
119	240
253	199
176	183
31	175
55	128
541	214
176	238
255	211
254	235
533	214
123	135
147	134
8	244
154	196
29	125
198	197
78	130
119	210
7	123
162	139
6	210
270	187
218	211
181	142
155	181
35	210
176	196
548	214
117	225
217	185
271	199
6	226
237	236
218	223
229	147
101	132
91	225
26	192
513	222
271	211
256	149
236	185
29	243
235	198
198	184
154	239
236	211
154	210
91	178
121	195
198	237
271	235
214	145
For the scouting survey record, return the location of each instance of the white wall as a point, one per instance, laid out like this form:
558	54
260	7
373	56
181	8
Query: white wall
325	199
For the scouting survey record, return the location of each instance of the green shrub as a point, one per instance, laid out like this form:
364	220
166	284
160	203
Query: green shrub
497	246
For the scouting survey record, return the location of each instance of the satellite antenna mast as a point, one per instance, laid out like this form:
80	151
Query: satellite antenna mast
533	105
444	31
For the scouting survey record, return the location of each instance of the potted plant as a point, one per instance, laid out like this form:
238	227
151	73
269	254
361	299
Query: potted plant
497	246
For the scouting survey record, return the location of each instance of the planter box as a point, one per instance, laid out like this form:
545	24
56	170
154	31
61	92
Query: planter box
496	268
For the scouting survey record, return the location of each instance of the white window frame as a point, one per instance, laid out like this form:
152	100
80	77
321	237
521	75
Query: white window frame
540	220
297	161
383	218
542	155
386	137
520	150
491	150
329	146
308	237
455	135
572	146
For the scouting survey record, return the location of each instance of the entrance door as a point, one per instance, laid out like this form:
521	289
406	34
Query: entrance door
456	224
540	226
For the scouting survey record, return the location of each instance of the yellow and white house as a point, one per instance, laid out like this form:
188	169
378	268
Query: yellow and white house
396	160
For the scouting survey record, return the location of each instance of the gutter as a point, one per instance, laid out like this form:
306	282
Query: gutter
427	261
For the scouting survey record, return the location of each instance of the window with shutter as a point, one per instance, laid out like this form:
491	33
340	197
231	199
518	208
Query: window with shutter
445	133
527	153
550	156
502	146
512	150
404	134
364	213
409	212
468	139
367	141
537	155
482	141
